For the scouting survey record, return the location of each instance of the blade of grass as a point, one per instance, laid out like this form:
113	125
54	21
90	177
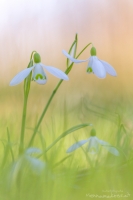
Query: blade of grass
65	134
61	161
10	146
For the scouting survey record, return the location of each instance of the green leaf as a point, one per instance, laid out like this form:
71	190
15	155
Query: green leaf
61	161
75	128
7	150
72	50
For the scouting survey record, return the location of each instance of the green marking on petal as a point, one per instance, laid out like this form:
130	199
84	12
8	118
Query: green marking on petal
40	76
89	70
37	58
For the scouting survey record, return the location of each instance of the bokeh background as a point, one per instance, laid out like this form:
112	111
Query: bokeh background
48	26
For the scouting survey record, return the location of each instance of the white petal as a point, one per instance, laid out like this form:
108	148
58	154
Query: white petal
89	66
73	59
33	150
56	72
98	68
93	145
76	146
21	76
41	82
90	61
39	75
110	148
109	69
36	165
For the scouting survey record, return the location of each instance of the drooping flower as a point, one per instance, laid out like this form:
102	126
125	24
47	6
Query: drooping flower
38	74
99	67
27	162
93	145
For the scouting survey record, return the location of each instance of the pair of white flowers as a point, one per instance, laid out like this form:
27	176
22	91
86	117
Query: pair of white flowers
96	66
93	145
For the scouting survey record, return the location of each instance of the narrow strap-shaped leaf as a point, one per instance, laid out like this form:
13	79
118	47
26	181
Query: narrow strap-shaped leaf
9	143
61	161
75	128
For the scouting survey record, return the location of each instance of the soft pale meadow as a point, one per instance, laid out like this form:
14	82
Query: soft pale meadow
66	100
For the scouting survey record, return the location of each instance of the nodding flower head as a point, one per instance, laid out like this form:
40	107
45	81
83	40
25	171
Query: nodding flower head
96	66
38	73
93	144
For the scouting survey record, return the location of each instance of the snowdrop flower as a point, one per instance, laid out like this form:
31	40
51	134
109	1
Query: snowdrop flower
38	73
93	145
27	162
99	67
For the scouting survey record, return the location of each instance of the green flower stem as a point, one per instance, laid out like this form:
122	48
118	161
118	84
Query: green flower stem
83	49
32	54
27	82
50	99
44	111
21	147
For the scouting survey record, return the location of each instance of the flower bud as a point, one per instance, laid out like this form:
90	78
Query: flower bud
93	51
37	58
93	132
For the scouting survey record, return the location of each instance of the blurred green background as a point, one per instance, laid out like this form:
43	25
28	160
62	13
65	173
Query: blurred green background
48	27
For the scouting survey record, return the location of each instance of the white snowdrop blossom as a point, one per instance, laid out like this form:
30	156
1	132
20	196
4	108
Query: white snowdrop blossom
38	73
27	162
99	67
93	145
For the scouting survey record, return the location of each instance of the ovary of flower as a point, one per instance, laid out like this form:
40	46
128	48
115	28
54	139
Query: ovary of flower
38	74
99	67
93	146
